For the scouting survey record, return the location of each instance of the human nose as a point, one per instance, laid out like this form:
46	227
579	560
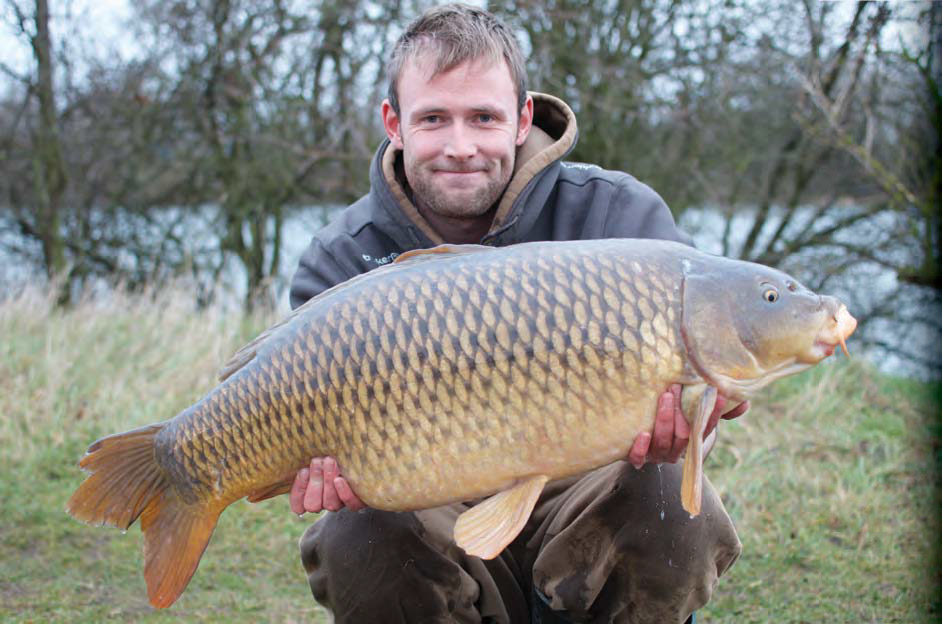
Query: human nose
460	144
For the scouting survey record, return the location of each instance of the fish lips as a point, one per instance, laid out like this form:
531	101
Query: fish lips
837	328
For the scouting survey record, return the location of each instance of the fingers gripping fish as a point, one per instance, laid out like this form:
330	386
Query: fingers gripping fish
458	373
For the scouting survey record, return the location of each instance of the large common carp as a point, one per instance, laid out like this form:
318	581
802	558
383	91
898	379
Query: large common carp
457	373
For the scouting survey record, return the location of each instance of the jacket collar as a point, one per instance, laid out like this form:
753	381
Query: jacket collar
553	135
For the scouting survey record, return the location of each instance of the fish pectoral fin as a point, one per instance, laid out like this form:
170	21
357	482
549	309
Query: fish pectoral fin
486	529
271	491
691	489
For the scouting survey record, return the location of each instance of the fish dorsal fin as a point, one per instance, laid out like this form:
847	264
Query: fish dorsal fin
242	357
691	488
247	353
439	251
486	529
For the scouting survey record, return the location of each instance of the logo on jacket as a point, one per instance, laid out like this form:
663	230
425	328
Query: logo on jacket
580	165
380	261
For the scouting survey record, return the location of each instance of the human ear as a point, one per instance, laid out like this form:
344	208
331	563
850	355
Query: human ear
391	124
525	121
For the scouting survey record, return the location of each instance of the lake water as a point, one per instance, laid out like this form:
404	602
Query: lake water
865	287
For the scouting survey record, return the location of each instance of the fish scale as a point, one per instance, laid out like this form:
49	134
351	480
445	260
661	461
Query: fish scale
453	374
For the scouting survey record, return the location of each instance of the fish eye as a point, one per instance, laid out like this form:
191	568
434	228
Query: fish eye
770	295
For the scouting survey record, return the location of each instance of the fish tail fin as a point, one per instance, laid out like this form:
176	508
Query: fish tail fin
175	536
124	478
126	482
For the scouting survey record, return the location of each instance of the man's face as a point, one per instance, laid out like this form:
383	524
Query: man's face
458	132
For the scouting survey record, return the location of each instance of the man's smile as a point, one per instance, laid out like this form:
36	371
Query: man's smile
462	176
459	171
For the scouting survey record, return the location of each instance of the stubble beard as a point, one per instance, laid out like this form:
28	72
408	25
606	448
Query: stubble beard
461	205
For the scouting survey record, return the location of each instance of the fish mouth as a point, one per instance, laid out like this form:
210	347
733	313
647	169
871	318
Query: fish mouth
836	331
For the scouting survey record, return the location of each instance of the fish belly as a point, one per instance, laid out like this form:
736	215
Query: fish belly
468	469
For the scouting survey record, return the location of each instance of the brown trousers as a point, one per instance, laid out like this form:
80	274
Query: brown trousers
613	545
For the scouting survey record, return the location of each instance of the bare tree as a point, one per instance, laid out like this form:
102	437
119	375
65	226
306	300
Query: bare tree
192	156
265	97
895	143
43	221
82	169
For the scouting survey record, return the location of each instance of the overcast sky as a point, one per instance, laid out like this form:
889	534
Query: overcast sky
99	25
102	28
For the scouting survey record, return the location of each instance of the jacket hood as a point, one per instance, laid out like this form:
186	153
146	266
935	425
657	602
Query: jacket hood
553	135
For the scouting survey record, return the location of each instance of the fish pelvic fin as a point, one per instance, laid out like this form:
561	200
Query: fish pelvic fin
488	527
691	488
270	491
125	483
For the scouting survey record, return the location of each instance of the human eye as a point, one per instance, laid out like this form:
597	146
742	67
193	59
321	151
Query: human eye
485	118
431	119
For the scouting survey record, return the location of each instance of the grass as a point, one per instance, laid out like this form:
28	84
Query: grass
68	378
832	483
830	479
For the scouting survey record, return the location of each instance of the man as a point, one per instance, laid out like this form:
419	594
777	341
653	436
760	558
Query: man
471	157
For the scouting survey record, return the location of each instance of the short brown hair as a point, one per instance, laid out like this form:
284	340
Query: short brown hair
456	33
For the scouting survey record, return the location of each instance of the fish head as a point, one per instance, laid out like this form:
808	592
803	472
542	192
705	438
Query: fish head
746	325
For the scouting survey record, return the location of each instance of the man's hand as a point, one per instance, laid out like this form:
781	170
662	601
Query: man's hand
671	429
321	487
